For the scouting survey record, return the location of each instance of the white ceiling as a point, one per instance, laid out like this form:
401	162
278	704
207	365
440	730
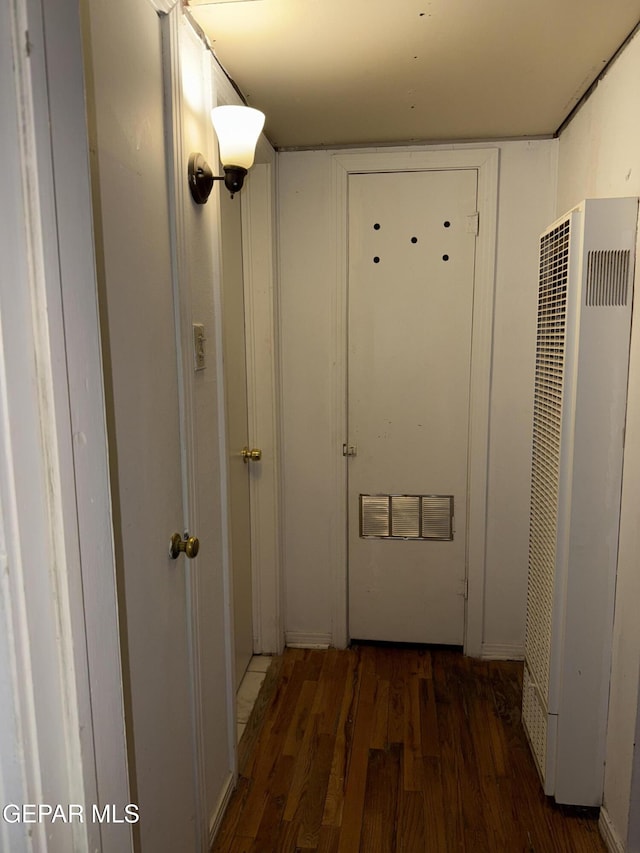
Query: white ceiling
340	72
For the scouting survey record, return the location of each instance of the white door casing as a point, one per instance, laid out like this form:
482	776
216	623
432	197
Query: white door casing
485	160
411	264
60	694
239	469
263	396
197	276
263	391
149	474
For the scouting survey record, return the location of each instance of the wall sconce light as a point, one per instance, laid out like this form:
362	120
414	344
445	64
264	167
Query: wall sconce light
237	129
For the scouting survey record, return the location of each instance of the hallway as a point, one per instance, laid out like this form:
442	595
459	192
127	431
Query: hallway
393	749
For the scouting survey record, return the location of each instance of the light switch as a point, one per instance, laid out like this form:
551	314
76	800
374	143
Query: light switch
198	347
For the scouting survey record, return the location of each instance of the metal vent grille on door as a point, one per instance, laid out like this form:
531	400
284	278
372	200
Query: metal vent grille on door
608	277
547	422
407	517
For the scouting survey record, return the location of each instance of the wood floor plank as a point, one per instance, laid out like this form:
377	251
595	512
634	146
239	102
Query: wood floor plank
429	735
342	750
280	700
451	765
469	751
241	845
396	697
380	728
412	738
267	834
328	696
298	724
255	724
286	706
395	750
329	839
380	813
270	746
410	829
438	838
351	826
310	808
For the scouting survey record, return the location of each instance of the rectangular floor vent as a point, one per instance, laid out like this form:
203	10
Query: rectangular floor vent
428	517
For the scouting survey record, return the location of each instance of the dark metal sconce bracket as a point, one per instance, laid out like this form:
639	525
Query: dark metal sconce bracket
201	178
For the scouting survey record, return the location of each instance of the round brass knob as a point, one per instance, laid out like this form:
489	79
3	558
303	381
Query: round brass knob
192	546
254	455
189	546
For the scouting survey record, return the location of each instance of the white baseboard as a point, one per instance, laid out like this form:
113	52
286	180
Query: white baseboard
497	651
218	813
297	640
608	833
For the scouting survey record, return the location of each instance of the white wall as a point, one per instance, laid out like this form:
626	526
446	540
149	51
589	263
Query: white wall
599	155
308	310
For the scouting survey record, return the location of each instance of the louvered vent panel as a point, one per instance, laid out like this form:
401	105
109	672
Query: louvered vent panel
437	517
407	516
550	354
374	515
608	277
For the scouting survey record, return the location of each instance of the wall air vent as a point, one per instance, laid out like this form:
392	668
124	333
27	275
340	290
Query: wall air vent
547	417
428	517
580	395
608	277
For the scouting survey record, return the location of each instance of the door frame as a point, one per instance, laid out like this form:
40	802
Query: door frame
62	675
179	203
259	274
259	270
486	162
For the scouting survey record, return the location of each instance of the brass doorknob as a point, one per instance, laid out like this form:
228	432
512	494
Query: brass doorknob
190	546
254	455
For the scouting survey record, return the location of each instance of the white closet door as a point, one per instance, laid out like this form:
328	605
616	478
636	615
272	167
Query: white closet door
411	271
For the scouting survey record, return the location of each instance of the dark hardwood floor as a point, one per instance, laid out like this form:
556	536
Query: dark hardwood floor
393	750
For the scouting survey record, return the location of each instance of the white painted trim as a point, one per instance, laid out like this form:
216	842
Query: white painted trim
172	25
633	823
481	355
263	385
59	621
164	7
298	640
608	833
262	404
218	81
215	820
340	612
497	651
485	160
83	411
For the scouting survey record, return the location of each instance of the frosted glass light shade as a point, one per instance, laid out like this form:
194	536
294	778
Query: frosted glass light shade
238	129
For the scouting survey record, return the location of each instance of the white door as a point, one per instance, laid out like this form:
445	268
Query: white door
239	468
141	377
411	270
